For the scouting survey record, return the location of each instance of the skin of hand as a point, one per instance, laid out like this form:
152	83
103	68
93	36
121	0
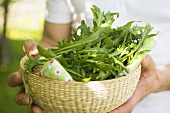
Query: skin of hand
15	79
152	79
52	34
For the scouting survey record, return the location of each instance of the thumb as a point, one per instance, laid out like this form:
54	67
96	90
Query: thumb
30	47
148	63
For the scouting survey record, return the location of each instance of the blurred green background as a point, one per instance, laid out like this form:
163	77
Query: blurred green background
24	20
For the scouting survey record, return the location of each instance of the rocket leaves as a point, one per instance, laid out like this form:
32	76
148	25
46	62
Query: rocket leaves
102	52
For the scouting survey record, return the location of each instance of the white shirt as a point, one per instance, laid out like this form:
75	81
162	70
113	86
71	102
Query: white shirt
155	12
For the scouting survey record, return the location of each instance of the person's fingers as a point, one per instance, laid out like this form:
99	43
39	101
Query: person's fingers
123	109
148	63
148	69
22	98
30	47
22	89
139	93
129	105
35	109
14	79
142	89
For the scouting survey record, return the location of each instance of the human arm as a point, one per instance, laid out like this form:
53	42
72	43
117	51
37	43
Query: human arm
54	32
153	79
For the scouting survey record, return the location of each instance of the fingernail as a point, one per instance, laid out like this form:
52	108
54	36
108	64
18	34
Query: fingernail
34	52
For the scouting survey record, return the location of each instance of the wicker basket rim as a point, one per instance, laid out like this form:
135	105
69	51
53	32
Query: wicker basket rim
77	82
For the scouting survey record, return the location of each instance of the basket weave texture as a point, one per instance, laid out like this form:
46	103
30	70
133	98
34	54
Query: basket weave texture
79	97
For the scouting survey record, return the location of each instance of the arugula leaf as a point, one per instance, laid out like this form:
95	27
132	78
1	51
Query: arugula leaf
100	52
100	17
45	53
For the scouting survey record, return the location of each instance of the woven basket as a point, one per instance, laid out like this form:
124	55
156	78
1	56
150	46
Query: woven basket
80	97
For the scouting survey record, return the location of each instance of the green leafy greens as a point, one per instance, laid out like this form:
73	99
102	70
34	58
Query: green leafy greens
100	52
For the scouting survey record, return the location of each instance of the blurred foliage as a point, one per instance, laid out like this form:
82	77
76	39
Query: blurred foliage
7	103
3	2
33	27
18	30
7	94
